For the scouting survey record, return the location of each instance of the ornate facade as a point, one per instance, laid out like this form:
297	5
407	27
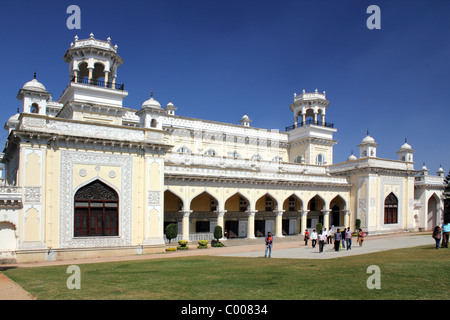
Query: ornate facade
86	176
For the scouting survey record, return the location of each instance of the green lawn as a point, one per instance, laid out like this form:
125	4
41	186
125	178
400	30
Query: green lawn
415	273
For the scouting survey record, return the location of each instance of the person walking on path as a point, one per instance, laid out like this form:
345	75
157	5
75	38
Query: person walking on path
330	236
314	238
269	243
437	236
343	238
322	239
348	238
337	239
361	235
306	237
445	234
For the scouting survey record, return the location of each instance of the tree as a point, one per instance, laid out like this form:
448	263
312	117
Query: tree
218	233
447	185
319	227
171	231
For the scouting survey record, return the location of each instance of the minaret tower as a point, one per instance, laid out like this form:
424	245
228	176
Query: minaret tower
311	137
93	68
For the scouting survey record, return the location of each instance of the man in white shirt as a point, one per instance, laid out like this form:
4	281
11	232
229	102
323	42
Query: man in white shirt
314	238
322	238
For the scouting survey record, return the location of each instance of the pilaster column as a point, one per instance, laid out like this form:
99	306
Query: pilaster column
106	78
346	218
251	224
326	218
185	224
279	223
304	214
220	219
295	121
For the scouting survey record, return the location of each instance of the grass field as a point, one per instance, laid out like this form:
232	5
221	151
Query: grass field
414	273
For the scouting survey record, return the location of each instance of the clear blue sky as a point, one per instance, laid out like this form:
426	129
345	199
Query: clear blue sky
217	60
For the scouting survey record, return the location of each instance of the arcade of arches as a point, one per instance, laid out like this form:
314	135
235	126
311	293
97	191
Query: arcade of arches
240	217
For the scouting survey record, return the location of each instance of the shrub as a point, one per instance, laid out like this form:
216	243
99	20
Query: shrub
319	228
218	244
183	243
357	224
218	233
203	243
171	231
171	249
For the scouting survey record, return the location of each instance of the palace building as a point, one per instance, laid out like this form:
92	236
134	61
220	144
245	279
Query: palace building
86	176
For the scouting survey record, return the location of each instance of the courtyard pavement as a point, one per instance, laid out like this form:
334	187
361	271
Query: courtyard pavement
371	244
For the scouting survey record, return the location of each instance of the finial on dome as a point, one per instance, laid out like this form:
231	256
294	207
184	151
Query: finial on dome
76	38
109	39
34	74
91	35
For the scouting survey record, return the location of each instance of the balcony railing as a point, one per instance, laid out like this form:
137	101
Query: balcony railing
98	83
309	122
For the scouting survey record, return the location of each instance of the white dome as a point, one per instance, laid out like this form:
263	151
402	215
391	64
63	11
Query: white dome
405	146
368	139
151	103
35	86
352	157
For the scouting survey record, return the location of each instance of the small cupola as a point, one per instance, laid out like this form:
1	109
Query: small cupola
368	147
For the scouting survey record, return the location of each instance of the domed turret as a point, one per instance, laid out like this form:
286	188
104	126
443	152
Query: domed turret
151	103
34	97
405	153
368	147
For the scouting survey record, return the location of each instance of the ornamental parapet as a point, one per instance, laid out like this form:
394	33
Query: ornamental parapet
371	164
10	196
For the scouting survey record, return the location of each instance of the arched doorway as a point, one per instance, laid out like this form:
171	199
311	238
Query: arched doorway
96	211
236	218
203	216
315	214
8	241
432	214
291	216
337	206
265	218
173	205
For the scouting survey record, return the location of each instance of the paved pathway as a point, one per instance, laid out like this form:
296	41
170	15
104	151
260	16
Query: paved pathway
300	251
288	247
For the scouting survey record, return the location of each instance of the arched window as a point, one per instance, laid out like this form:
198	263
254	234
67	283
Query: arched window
299	159
96	211
320	160
210	152
184	149
34	108
391	209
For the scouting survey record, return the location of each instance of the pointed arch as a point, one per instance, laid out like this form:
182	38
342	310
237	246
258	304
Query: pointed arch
316	203
337	205
391	209
266	203
204	202
96	207
237	203
433	211
292	203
